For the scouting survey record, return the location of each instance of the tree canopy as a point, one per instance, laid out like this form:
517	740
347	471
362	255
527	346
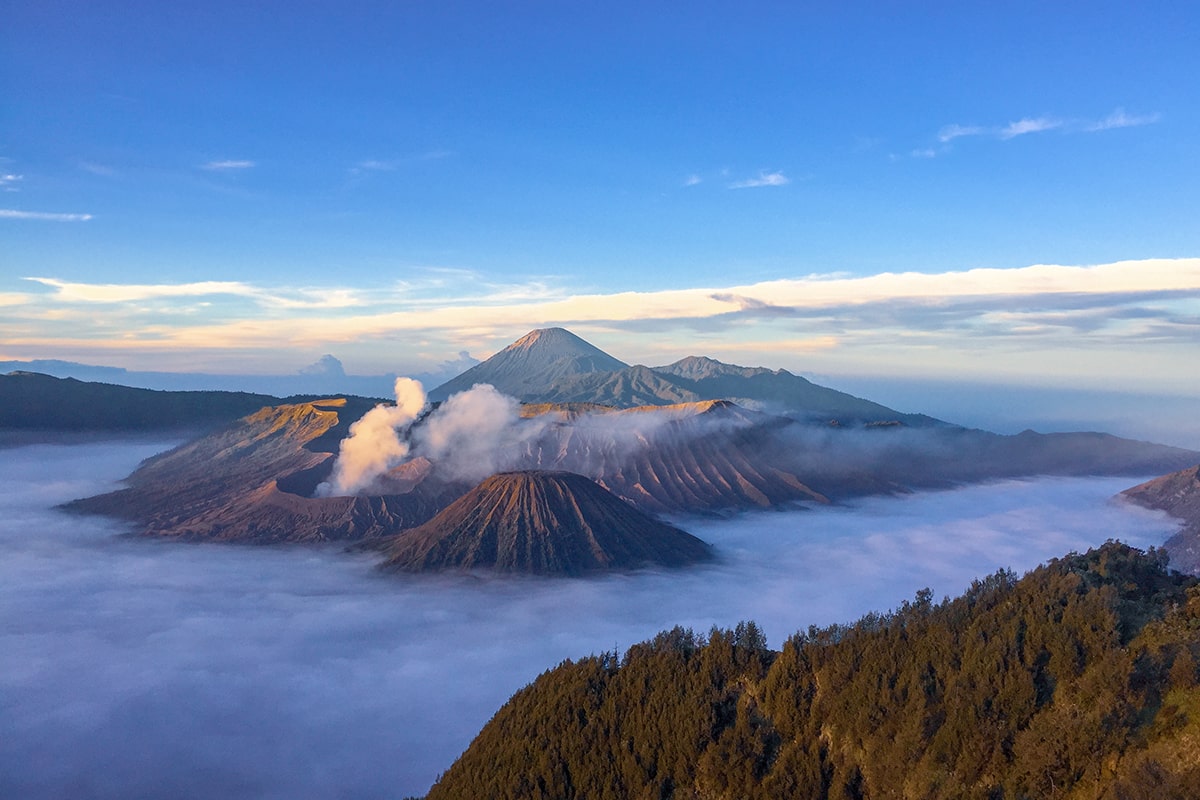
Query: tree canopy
1077	681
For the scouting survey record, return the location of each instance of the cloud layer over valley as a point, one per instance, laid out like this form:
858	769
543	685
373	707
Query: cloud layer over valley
139	667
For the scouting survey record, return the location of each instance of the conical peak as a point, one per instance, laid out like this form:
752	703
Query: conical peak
533	365
547	522
546	345
552	338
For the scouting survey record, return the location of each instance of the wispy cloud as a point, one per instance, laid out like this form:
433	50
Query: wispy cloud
393	164
15	298
293	299
692	180
376	165
228	164
1029	125
10	182
763	179
45	216
102	170
1119	119
952	132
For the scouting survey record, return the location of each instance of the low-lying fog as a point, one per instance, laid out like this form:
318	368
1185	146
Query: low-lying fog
136	668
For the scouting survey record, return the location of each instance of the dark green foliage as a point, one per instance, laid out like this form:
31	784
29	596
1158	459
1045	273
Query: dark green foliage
1078	680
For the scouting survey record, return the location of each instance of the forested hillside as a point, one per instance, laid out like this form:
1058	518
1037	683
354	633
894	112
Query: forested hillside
1077	681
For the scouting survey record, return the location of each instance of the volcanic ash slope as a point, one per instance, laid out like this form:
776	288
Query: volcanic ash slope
542	522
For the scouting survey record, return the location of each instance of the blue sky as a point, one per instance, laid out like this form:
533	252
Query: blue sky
241	187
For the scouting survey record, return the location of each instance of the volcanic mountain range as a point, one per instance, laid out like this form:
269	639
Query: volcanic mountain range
256	479
553	365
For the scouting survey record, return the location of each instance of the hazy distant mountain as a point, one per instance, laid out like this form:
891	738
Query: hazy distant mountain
553	365
543	523
31	401
1179	495
326	376
778	390
539	359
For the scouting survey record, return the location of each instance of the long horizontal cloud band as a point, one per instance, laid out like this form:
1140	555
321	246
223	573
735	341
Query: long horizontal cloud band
1124	276
1118	304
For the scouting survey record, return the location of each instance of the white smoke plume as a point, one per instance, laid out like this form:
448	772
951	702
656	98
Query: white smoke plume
374	444
480	432
475	434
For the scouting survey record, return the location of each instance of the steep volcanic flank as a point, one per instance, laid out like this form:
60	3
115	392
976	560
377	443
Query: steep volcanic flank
539	359
252	481
1179	495
778	389
687	458
544	523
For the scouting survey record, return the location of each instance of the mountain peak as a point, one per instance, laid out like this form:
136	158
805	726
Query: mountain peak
544	522
558	341
539	359
702	367
544	336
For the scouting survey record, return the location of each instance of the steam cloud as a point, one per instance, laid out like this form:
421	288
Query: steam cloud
475	434
133	668
374	444
479	432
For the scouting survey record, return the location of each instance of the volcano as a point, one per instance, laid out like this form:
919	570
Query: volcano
530	366
253	481
553	365
678	452
546	523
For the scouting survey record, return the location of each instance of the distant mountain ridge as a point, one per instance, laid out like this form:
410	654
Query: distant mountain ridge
325	377
31	401
777	388
1178	494
553	365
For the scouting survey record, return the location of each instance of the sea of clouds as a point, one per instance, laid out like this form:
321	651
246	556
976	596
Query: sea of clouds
143	668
